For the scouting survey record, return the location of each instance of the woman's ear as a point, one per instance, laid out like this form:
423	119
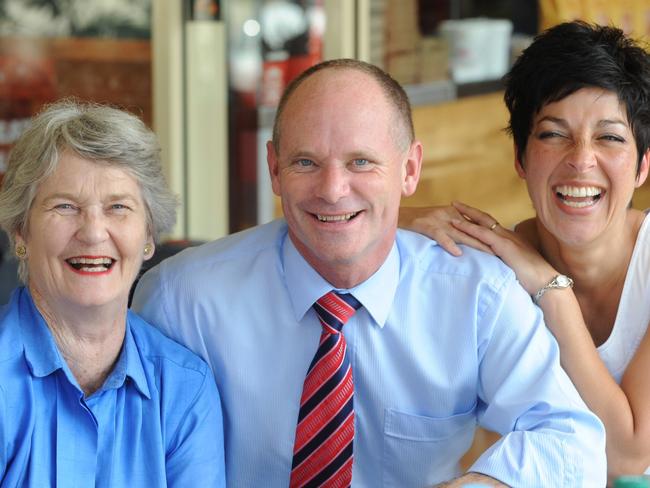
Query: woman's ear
643	169
519	165
149	248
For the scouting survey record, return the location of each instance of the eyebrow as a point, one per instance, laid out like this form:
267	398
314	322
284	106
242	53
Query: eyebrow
69	196
564	123
356	154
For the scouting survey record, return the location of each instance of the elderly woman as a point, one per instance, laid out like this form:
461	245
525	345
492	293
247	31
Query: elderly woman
579	102
90	394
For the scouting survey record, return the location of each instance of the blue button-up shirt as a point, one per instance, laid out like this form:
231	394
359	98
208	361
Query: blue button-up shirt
155	422
441	344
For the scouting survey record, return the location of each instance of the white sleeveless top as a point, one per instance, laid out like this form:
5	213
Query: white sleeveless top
633	313
633	310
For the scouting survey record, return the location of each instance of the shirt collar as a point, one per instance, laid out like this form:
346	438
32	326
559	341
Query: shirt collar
128	365
305	285
43	356
41	353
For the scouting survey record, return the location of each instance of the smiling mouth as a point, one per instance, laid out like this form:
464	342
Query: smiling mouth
337	218
578	196
91	265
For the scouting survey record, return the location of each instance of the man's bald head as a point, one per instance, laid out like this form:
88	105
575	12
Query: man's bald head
404	133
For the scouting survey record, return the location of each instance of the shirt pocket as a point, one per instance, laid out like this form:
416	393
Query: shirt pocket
421	451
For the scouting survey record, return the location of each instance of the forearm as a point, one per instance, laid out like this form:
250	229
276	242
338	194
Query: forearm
471	478
622	409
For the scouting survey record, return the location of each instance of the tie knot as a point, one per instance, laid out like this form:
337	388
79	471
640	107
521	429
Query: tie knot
334	309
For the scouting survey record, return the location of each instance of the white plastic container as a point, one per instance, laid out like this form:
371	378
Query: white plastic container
479	48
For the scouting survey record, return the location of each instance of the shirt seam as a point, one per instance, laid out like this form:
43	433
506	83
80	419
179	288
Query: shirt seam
176	433
164	290
3	415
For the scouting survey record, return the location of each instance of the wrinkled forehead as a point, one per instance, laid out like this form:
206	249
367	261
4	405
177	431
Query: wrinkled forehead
340	100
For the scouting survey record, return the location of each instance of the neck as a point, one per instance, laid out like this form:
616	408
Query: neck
597	264
346	274
343	278
89	338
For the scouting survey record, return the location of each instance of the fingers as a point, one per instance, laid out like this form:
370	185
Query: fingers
477	216
428	220
448	244
436	223
488	238
464	238
451	237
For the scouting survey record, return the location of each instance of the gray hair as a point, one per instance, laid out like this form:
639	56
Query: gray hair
97	133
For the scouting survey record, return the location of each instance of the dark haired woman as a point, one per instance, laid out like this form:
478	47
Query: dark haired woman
579	103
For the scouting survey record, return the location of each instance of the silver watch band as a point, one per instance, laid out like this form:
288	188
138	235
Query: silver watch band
558	282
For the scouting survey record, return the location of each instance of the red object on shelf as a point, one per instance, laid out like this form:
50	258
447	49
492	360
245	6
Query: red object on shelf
27	81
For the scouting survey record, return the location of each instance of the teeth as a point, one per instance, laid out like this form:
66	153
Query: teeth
581	204
91	265
95	261
95	269
578	191
336	218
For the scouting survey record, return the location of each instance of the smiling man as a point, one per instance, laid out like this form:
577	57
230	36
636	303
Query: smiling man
350	353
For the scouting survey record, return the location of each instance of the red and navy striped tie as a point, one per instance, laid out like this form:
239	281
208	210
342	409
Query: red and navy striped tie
322	452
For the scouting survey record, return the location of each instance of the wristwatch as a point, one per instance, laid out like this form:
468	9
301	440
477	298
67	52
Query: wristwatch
559	282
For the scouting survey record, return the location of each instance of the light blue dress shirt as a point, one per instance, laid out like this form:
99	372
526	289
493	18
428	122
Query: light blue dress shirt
155	422
440	344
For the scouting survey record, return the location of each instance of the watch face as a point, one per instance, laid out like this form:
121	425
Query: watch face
562	281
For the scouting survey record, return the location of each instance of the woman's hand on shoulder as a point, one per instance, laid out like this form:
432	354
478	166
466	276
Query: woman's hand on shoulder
532	270
436	223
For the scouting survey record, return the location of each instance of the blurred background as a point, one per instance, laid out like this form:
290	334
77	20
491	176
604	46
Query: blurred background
206	75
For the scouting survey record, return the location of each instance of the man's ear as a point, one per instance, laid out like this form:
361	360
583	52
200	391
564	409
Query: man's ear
411	169
643	169
274	167
519	166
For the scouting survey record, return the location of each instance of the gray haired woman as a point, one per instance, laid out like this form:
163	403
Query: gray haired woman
90	394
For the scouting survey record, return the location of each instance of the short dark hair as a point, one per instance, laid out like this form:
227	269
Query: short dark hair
392	89
575	55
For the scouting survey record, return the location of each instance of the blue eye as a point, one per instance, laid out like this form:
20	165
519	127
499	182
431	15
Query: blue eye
361	162
305	163
119	208
64	208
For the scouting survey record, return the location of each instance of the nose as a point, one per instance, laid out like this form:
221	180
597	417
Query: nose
582	157
92	226
333	183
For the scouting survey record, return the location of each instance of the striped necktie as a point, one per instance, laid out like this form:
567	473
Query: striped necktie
322	452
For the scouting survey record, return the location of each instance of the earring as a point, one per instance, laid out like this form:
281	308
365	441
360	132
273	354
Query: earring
147	249
21	251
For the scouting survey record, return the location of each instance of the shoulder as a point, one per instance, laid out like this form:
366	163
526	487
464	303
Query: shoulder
643	235
164	355
181	385
640	259
428	257
11	345
242	246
